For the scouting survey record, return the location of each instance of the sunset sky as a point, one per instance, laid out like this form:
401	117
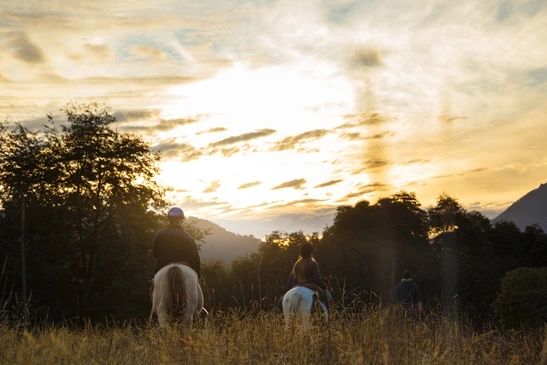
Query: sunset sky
270	114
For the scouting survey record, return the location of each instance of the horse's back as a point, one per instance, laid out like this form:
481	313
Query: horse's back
187	271
298	300
190	277
163	289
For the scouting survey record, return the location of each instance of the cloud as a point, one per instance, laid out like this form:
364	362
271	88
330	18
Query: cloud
168	124
24	50
151	116
152	80
363	119
171	148
147	52
135	115
353	136
243	137
213	186
190	203
374	163
290	142
366	189
100	51
371	164
447	95
328	183
296	184
294	203
249	185
212	130
362	58
227	152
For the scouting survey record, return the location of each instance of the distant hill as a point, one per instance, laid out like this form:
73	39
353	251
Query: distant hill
528	210
222	244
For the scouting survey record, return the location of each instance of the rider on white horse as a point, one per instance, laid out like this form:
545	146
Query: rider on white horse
173	244
306	271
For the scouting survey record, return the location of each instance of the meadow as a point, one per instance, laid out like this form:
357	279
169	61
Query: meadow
372	336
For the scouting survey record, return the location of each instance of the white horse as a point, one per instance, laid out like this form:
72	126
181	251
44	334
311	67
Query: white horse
298	304
176	293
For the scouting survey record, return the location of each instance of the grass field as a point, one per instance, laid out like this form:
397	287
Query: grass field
237	337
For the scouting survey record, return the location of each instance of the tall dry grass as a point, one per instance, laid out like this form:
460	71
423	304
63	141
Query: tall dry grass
369	337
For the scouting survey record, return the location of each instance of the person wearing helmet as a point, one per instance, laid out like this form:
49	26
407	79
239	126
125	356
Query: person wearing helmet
306	271
173	244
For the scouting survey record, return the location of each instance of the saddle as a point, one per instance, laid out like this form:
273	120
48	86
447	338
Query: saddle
318	293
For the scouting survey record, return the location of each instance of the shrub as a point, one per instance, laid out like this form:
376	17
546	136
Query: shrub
522	300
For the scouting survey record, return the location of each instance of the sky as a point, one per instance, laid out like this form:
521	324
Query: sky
271	114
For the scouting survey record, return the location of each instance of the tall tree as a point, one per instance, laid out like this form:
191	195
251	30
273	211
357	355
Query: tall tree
90	194
369	246
263	275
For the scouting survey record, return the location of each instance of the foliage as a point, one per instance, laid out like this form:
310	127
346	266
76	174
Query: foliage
87	191
218	285
369	246
454	255
522	300
262	275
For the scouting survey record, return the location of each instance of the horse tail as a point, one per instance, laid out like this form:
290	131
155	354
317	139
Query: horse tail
177	288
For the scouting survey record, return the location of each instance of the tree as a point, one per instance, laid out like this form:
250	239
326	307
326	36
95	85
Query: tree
535	241
401	234
369	246
90	194
473	254
522	300
445	218
262	275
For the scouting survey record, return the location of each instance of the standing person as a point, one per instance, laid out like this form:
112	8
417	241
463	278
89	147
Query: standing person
173	244
306	271
407	294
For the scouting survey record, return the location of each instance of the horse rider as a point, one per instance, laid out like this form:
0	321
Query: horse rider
305	272
174	245
407	293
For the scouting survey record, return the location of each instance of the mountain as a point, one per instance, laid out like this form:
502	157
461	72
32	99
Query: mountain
222	244
530	209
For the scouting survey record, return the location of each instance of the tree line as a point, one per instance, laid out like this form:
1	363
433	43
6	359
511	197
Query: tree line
80	205
458	258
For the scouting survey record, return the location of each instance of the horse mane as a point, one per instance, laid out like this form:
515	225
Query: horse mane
177	287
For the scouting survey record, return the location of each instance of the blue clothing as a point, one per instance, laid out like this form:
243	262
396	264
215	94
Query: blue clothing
407	293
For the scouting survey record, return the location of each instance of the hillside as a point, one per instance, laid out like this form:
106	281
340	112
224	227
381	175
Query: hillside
222	244
529	209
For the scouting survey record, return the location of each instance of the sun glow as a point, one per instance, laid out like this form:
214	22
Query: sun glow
239	101
260	98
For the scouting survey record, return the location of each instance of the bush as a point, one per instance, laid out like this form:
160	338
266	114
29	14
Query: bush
522	300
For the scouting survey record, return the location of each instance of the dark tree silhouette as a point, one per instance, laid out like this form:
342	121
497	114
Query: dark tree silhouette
88	192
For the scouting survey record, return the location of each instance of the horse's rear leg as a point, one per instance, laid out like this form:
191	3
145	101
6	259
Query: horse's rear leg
306	311
154	297
163	316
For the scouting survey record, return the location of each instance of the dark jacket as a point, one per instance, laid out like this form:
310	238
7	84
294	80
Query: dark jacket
173	244
306	271
407	293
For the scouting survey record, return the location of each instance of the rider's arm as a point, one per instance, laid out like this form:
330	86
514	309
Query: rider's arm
291	282
317	276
